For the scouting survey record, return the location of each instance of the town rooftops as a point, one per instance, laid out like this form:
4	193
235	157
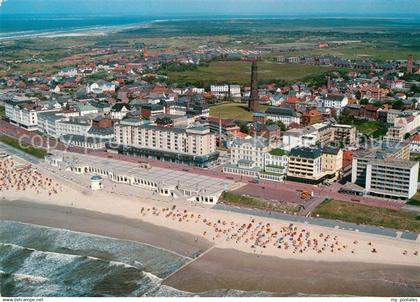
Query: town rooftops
330	150
281	111
334	97
257	142
119	107
152	106
306	152
394	163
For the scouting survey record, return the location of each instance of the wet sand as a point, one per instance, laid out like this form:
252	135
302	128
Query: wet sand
227	268
104	225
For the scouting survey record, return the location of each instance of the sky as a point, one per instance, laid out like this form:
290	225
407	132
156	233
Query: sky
212	7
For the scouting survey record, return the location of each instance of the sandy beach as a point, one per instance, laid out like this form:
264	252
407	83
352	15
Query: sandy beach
228	268
225	268
239	242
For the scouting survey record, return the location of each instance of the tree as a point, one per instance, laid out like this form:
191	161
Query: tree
407	135
269	123
358	95
398	105
281	126
378	103
364	101
163	121
245	129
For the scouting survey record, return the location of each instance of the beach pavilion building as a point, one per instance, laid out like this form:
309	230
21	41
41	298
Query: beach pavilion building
165	182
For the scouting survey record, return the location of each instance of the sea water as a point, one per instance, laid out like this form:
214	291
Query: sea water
50	262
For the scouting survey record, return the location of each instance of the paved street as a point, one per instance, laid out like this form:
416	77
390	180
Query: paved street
18	153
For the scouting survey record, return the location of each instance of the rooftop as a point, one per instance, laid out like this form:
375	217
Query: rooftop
164	177
306	152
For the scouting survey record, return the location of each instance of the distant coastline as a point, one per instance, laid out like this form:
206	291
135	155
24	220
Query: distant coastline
16	27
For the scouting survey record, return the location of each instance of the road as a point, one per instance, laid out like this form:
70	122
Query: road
12	151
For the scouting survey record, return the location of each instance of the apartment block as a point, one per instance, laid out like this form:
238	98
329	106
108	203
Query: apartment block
390	178
305	165
344	134
255	158
314	165
195	145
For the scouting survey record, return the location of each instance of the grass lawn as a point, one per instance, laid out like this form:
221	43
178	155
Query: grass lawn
415	201
2	111
240	72
278	152
250	202
371	128
37	152
234	111
363	214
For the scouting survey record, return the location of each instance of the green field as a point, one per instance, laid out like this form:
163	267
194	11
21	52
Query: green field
37	152
239	72
234	111
2	111
363	214
250	202
371	128
415	201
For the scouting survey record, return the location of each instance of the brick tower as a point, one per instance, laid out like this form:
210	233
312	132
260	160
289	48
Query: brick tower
410	64
254	99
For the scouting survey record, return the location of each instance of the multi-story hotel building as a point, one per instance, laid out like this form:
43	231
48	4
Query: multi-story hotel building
384	171
344	134
390	178
305	164
195	145
25	114
314	165
254	158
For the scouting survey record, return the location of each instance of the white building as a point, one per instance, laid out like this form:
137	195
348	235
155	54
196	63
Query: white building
415	144
100	86
300	137
285	115
72	126
390	178
68	72
252	150
165	182
221	91
25	114
195	145
403	125
120	111
335	101
251	158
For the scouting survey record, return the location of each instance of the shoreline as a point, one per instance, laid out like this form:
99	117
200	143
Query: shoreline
223	268
105	225
226	230
128	206
227	268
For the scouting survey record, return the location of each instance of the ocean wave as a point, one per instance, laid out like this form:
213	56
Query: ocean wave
29	272
47	262
157	261
30	278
